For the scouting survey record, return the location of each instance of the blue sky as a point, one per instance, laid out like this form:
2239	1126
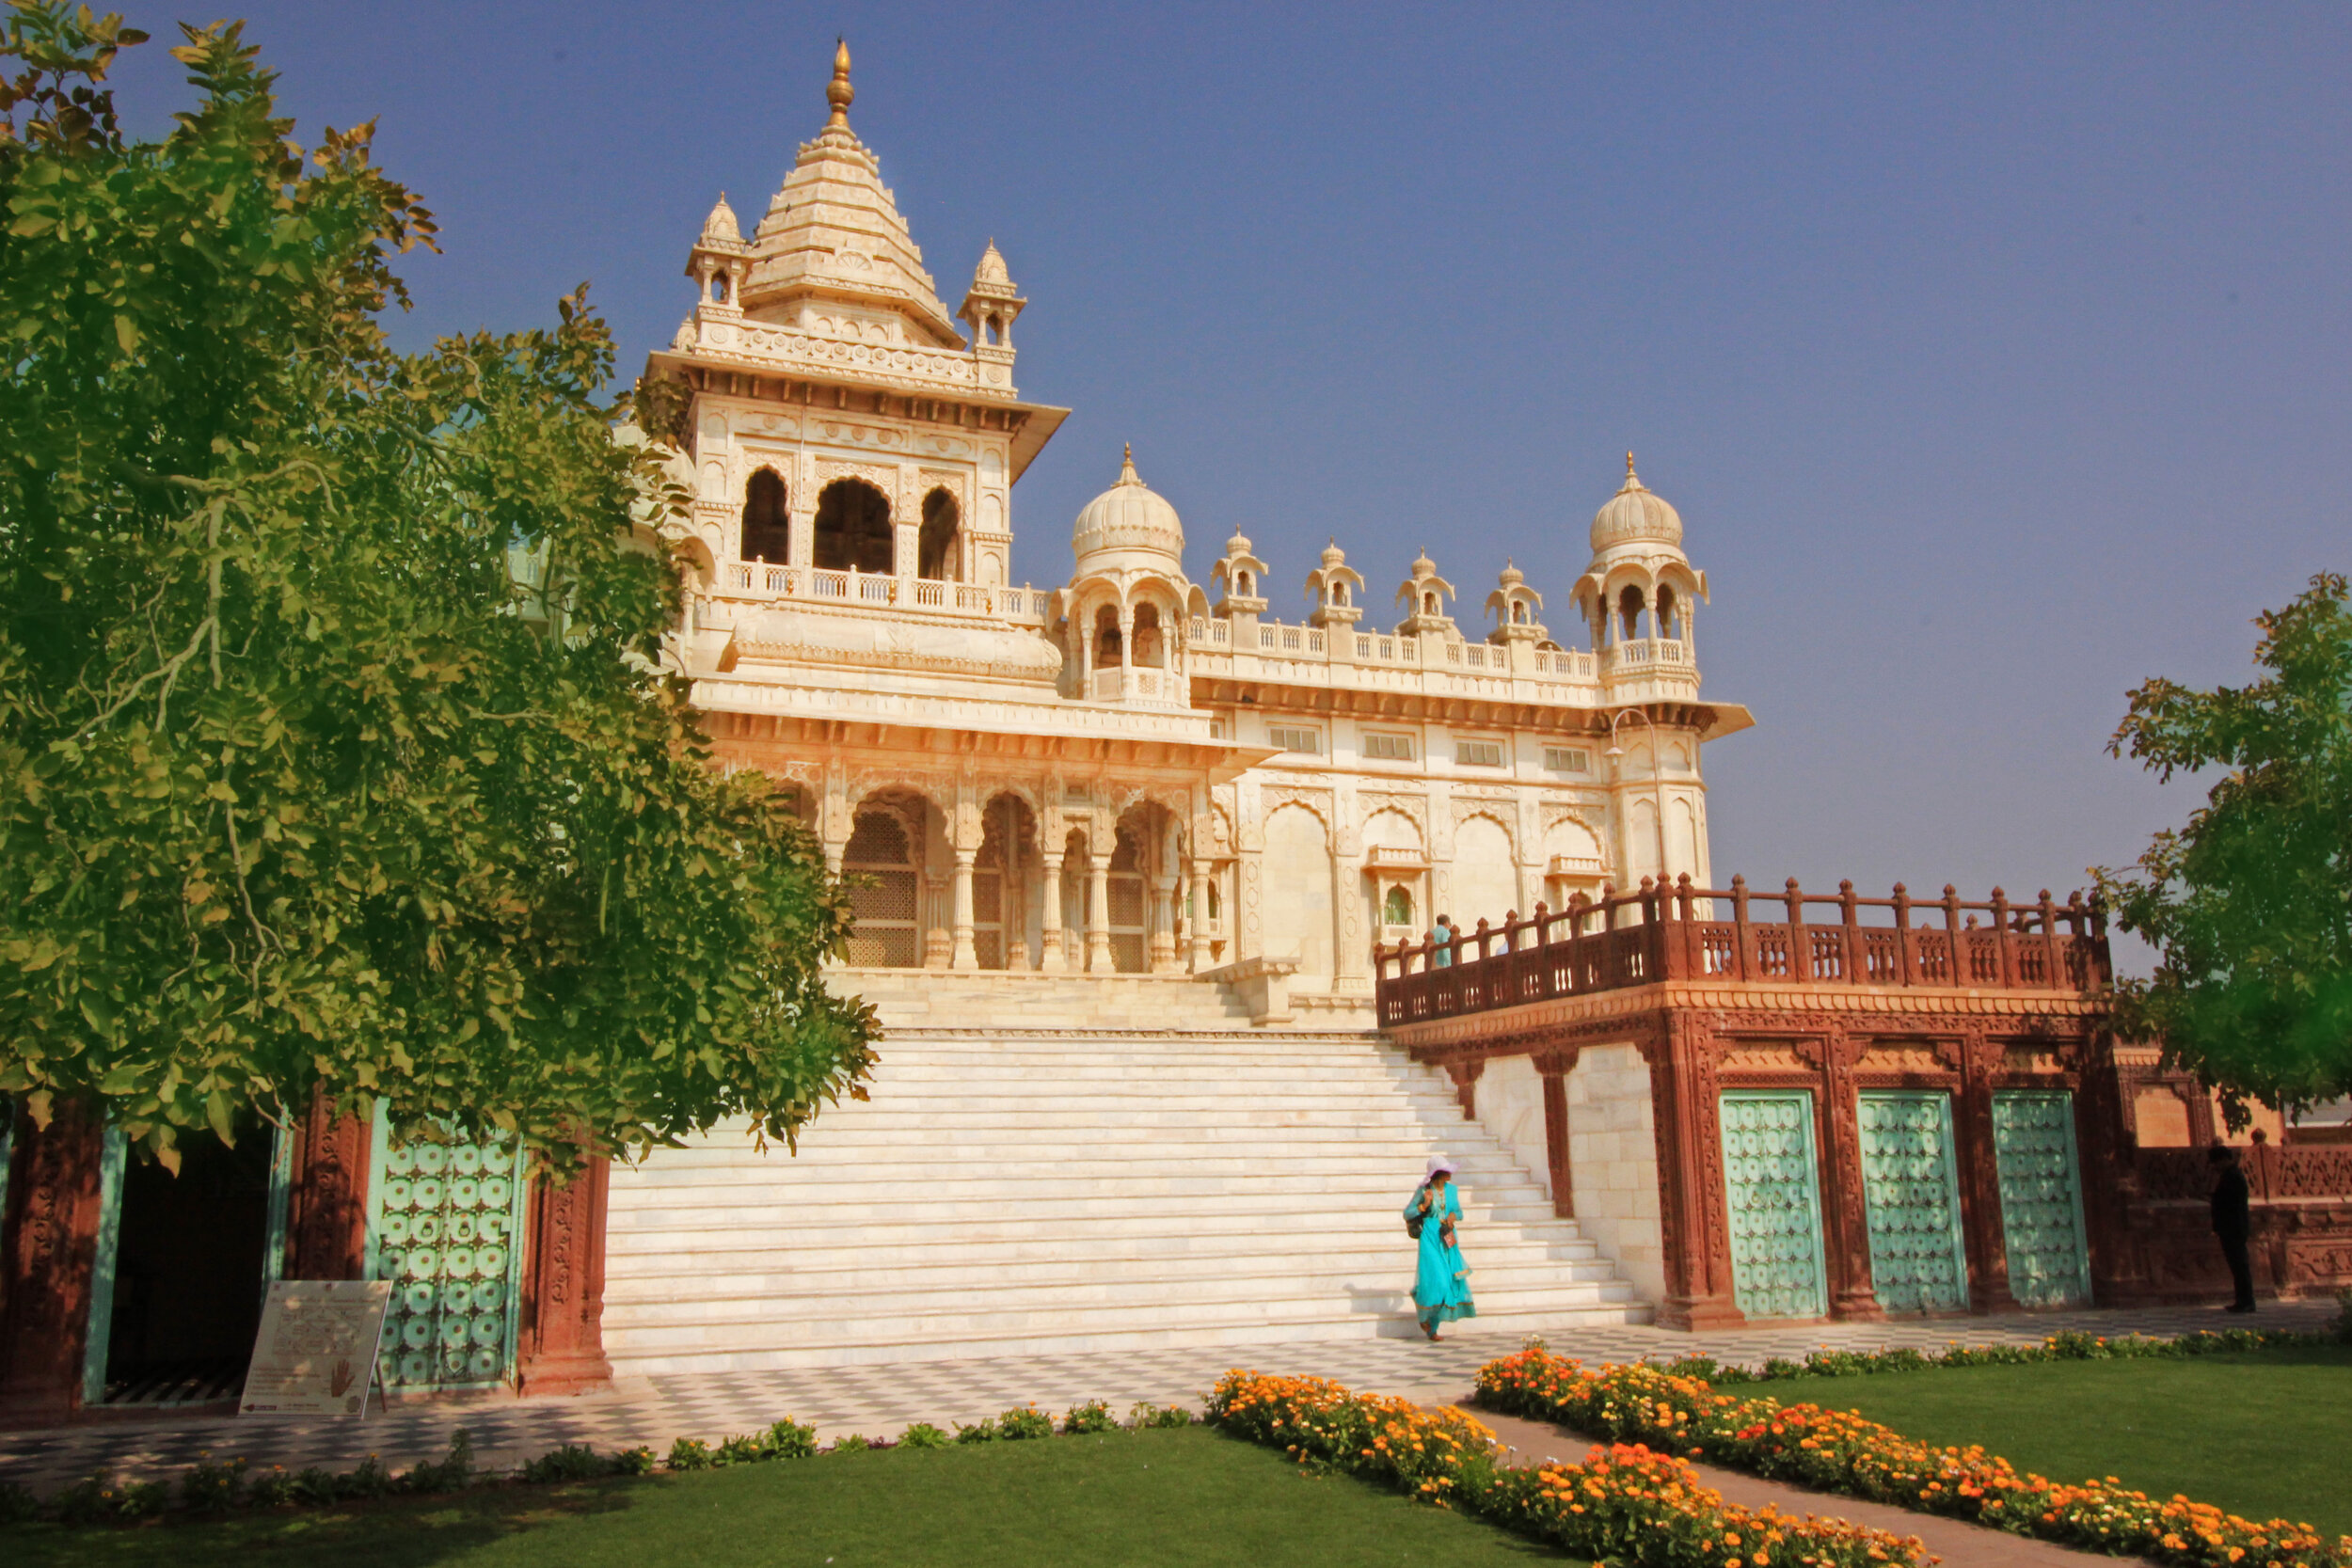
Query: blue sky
1996	357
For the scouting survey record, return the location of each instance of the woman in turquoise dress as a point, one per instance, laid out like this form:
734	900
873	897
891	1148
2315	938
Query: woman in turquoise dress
1441	1284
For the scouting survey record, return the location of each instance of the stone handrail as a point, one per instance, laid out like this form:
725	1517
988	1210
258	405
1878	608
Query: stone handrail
1671	933
754	579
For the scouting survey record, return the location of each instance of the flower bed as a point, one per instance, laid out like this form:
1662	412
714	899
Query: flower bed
1626	1503
1842	1452
2073	1345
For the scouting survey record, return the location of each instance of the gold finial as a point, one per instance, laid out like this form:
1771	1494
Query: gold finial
838	92
1127	474
1632	480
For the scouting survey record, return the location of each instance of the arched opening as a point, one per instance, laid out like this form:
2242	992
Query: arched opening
1669	614
1108	652
853	531
882	863
1151	645
1397	909
1339	594
1518	614
1629	613
717	288
935	552
766	520
1001	875
1429	604
1241	585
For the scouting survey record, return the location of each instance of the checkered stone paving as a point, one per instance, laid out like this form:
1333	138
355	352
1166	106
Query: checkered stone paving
884	1400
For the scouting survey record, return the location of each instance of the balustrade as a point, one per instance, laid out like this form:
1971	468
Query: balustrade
1659	933
758	579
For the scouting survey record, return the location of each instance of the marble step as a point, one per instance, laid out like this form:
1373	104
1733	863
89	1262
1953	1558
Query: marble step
1243	1329
721	1232
1011	1271
1219	1168
701	1256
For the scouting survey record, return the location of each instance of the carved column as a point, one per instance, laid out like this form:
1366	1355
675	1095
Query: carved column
327	1196
801	546
1249	903
1558	1152
1049	935
48	1257
938	938
1164	925
1846	1230
1098	912
963	955
1202	873
1980	1178
560	1347
1126	652
1693	1209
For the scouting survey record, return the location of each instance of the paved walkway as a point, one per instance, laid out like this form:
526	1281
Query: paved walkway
882	1400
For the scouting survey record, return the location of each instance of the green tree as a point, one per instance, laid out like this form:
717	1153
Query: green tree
2250	906
335	751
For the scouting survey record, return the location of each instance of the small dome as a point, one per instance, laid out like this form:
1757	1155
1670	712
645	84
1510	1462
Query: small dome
1333	555
1237	545
1512	575
1128	525
720	226
992	269
1635	514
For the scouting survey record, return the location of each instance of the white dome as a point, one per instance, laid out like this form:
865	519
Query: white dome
1635	514
1128	525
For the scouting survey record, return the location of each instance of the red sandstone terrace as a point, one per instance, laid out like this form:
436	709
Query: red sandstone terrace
1866	1105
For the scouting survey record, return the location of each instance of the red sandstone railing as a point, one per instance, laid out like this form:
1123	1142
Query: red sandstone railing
2183	1175
1658	933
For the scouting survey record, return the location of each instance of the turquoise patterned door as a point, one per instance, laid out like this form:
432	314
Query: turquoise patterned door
1911	1192
445	1221
1775	1204
2042	1198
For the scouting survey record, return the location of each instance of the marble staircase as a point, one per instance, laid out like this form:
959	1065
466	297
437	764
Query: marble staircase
1142	1173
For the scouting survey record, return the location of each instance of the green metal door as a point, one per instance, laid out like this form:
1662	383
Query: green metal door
445	1221
1911	1192
2042	1196
1775	1204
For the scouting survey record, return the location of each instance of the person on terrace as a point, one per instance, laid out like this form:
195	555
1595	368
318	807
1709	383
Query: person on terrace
1441	1289
2232	1222
1441	956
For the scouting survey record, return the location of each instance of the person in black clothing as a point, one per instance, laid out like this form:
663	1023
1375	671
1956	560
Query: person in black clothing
2232	1222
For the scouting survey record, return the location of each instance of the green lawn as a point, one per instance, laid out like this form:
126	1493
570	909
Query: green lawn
1187	1497
2264	1434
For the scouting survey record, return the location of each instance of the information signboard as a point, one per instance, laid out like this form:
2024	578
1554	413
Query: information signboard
315	1353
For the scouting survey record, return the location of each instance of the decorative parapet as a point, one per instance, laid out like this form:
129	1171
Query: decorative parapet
722	336
1666	935
759	582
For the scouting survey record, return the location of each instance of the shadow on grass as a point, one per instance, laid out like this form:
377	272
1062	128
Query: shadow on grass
1184	1499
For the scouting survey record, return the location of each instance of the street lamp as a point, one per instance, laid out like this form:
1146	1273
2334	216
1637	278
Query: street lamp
1657	774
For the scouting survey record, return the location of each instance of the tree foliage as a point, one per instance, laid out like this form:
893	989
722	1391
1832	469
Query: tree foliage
2250	906
334	752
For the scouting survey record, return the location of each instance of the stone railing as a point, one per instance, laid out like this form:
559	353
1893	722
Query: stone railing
1458	655
1140	683
752	580
1660	934
2272	1173
785	348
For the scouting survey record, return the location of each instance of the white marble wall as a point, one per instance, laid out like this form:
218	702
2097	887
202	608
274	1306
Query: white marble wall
1510	1102
1613	1160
